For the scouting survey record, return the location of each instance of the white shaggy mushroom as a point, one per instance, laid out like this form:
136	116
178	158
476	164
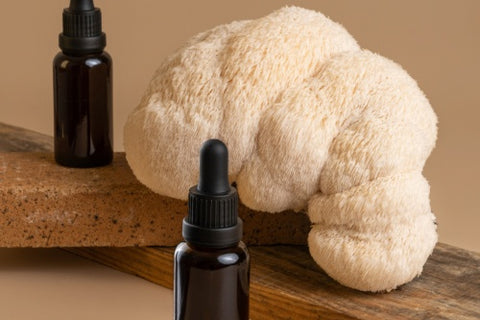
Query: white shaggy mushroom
312	122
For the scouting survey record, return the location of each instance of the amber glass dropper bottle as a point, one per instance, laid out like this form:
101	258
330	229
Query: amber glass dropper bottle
83	133
212	268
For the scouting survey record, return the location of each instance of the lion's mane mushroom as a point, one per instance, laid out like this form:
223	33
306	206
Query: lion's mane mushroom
312	122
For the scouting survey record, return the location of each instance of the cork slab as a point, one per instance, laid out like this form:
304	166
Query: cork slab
46	205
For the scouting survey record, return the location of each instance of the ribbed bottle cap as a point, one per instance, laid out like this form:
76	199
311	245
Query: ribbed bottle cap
212	219
212	212
82	28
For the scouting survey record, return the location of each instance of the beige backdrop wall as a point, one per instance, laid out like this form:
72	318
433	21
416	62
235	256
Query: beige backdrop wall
437	42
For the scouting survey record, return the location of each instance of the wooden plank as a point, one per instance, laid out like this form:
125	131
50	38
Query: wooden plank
14	139
287	284
47	205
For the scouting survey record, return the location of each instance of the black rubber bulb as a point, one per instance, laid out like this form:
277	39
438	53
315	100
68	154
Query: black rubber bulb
81	5
213	168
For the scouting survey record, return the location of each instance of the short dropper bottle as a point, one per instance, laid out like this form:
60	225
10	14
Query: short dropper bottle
82	73
212	266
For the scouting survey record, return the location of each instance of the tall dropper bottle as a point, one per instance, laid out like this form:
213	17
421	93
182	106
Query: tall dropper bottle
82	72
212	266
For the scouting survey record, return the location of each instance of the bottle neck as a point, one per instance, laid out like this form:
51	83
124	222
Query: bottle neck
82	54
200	247
212	237
82	46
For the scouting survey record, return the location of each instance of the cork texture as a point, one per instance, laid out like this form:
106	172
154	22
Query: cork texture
45	205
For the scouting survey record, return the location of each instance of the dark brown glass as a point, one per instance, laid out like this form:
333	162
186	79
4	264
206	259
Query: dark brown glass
211	284
83	132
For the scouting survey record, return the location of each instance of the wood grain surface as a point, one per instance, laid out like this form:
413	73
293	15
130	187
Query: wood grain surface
287	284
13	139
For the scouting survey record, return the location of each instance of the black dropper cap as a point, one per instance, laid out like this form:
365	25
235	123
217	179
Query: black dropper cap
82	29
212	219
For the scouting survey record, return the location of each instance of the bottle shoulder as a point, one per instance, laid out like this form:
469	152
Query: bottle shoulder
64	60
211	258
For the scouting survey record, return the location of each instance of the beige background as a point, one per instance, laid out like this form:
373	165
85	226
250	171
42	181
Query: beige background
437	42
51	284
